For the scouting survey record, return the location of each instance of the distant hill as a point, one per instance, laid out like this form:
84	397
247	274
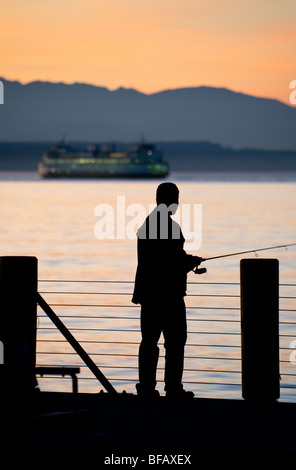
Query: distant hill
42	111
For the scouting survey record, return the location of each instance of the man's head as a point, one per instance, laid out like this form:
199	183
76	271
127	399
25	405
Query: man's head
168	194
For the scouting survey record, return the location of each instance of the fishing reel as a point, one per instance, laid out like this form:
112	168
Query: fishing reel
199	270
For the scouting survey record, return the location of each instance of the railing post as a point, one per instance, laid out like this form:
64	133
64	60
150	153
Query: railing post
260	329
18	313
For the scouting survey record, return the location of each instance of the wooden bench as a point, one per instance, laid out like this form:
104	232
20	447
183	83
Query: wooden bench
71	371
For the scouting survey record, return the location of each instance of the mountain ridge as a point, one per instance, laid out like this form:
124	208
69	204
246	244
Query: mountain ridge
44	111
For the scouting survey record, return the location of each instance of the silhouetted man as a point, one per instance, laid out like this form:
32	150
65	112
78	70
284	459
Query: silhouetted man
160	287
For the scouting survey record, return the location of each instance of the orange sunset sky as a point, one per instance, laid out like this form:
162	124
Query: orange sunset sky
152	45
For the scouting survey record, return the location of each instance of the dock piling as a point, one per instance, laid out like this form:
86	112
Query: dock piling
18	316
260	329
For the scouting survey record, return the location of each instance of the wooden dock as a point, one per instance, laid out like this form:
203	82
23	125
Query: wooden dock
127	425
118	424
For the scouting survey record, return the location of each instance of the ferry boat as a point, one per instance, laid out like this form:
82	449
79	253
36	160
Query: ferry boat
97	161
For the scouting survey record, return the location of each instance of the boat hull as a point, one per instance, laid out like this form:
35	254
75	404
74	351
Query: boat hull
63	161
100	169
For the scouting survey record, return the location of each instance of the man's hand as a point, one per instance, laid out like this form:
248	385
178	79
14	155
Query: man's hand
198	260
192	262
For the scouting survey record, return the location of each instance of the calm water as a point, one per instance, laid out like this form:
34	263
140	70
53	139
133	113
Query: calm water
55	221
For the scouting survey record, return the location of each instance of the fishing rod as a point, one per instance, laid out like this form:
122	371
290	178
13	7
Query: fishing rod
204	270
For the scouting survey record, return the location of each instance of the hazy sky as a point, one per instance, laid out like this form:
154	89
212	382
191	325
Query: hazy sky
151	45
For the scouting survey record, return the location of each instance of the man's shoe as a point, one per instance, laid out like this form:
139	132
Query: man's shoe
147	394
180	395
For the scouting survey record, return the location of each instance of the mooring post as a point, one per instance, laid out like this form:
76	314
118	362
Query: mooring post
260	329
18	313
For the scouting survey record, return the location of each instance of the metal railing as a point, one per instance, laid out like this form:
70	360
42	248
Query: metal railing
102	318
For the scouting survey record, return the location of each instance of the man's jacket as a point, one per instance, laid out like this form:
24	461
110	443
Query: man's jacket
162	262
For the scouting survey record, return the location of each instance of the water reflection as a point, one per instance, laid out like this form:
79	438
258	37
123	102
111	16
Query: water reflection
54	221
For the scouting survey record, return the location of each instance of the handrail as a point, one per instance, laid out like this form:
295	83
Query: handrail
224	311
109	281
